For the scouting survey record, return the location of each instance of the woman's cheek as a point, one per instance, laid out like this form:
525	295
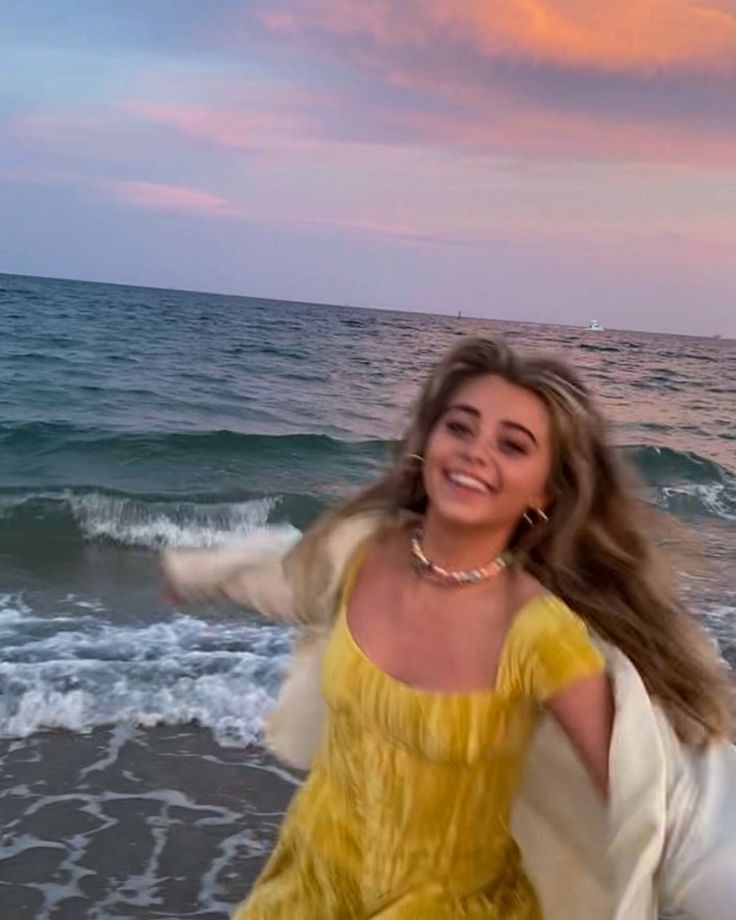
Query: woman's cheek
525	479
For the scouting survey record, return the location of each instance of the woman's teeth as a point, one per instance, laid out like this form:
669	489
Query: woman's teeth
467	482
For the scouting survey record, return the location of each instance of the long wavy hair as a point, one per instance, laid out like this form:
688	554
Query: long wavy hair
597	551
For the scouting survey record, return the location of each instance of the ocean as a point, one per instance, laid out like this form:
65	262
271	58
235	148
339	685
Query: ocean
132	781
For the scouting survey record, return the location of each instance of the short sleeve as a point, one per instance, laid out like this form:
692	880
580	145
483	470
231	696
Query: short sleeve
557	649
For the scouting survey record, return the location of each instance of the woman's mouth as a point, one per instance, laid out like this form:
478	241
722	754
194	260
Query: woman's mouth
468	482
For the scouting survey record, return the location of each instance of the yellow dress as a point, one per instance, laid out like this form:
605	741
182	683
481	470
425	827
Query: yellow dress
405	814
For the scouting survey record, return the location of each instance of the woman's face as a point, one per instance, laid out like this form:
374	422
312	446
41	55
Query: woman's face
488	458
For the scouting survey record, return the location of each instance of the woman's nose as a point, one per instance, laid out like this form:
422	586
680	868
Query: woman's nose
478	454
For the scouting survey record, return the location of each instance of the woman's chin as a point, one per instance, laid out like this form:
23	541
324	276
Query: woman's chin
476	512
462	514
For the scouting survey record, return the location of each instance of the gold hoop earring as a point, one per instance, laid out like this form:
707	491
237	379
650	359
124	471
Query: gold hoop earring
541	517
418	457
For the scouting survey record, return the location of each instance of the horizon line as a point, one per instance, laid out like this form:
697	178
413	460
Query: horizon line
354	306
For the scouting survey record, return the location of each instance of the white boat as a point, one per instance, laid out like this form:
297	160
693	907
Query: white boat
595	326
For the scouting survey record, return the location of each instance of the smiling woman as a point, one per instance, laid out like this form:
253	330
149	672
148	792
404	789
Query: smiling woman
500	570
493	442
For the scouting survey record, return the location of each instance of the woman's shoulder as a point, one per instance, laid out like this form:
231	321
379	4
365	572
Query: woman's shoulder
538	609
546	622
551	645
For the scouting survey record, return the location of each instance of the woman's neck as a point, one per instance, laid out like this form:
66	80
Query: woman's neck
461	547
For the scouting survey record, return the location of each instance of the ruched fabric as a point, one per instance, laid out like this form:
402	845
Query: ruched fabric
405	814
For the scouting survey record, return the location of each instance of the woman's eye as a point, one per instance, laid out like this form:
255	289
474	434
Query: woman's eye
512	447
457	427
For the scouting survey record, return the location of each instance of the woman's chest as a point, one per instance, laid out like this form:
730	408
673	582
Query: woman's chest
439	643
369	705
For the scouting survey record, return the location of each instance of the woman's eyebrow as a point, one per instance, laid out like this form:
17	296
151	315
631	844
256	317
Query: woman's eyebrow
506	422
464	407
517	426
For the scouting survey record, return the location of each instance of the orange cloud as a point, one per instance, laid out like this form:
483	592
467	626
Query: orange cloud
492	76
628	35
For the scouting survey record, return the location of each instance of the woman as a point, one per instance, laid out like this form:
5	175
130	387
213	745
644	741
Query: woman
444	609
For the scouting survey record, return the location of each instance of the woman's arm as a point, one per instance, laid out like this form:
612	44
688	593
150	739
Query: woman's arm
584	710
235	574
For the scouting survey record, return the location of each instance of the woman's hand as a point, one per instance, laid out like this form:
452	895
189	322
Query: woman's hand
168	593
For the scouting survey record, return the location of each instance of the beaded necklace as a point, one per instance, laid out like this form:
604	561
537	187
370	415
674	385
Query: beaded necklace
458	577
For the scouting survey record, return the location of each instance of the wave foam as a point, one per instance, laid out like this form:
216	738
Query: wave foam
698	498
686	483
222	676
159	524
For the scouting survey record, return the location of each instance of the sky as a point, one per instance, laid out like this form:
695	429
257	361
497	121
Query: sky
541	160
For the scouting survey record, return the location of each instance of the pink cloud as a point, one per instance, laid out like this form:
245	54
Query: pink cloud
155	196
548	134
152	196
244	129
482	121
413	102
408	232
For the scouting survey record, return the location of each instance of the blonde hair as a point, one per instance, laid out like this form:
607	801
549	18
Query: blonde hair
596	552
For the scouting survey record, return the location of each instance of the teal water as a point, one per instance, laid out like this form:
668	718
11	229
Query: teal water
132	419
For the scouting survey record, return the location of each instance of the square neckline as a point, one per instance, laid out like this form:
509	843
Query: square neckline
349	580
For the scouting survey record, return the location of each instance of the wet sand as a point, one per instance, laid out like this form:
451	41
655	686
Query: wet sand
134	823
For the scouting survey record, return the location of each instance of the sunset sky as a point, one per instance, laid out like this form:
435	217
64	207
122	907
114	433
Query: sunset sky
545	160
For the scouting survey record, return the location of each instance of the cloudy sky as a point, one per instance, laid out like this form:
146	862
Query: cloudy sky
546	160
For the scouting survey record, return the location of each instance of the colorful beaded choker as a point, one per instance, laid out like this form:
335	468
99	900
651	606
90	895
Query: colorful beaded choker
458	577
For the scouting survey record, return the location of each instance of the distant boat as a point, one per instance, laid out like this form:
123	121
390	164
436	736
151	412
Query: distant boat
595	326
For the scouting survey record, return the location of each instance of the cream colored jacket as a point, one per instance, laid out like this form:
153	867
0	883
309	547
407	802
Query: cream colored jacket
668	839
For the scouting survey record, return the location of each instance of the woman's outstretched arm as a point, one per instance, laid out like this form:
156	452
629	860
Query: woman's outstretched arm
234	574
